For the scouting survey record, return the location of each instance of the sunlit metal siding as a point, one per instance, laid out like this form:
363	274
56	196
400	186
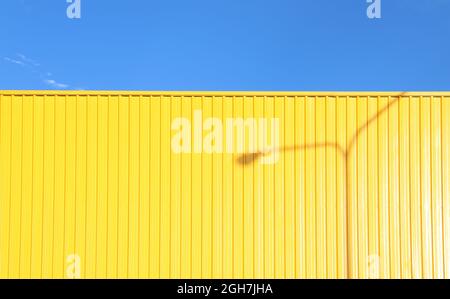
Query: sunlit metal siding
361	187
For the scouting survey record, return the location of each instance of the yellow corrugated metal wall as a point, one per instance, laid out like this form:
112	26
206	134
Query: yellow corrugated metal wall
90	186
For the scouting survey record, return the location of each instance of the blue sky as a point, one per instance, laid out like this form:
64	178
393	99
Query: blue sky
286	45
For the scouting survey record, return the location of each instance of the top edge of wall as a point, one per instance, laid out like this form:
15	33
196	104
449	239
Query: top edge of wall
224	93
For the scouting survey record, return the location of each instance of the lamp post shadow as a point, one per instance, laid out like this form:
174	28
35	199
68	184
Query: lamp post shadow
250	158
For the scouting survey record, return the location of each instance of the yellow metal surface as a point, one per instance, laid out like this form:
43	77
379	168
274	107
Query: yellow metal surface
224	185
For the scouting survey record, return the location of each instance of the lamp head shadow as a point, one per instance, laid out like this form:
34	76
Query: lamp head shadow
249	158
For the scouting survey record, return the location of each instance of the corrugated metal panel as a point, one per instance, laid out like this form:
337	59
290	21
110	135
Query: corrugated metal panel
92	185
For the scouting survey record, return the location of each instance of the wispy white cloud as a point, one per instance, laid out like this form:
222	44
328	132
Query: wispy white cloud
53	83
14	61
28	60
34	67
